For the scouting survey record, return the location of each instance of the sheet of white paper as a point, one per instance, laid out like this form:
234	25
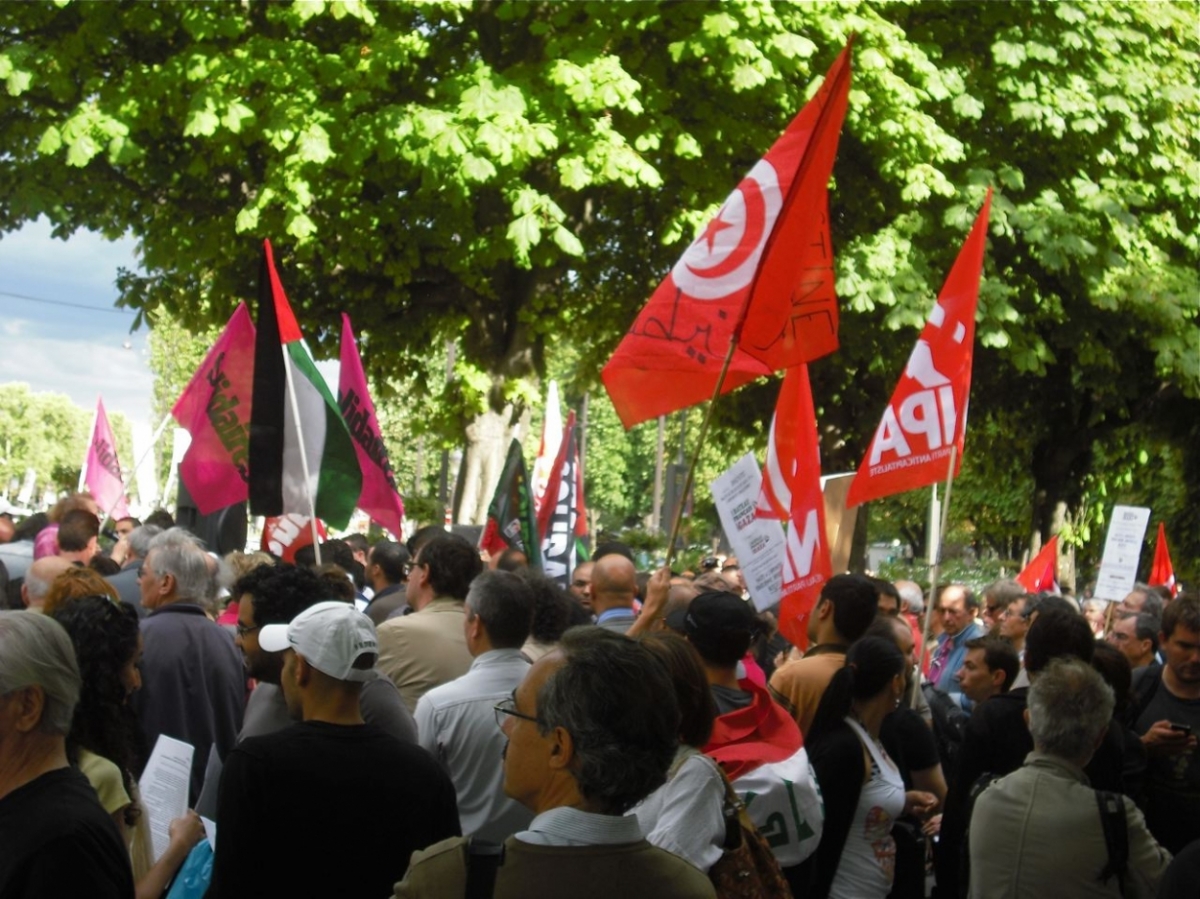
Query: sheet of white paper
1122	550
210	832
164	786
758	543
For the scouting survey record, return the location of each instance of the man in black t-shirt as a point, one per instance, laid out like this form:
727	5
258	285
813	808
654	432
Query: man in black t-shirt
1167	717
330	806
55	837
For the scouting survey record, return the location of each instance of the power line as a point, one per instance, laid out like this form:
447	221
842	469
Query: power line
21	296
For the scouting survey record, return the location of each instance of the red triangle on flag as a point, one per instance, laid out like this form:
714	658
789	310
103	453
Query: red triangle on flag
1162	572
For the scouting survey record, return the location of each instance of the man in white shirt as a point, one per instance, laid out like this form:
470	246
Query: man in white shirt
456	721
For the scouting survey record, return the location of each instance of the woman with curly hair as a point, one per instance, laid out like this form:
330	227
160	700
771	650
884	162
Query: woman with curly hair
105	740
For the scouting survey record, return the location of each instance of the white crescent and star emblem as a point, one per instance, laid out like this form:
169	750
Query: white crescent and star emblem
723	259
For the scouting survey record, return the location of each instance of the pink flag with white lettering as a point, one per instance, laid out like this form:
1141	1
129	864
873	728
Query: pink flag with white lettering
214	409
102	471
379	497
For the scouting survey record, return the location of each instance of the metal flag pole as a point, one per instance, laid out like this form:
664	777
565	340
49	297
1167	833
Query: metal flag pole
935	568
312	506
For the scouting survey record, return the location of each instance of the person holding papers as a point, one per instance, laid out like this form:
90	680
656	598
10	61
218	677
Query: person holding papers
104	738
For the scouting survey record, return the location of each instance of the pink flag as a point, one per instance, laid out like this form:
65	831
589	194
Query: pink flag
379	498
102	471
215	409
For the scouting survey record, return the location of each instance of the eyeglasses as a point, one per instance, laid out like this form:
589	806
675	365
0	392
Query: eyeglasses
509	707
409	566
242	630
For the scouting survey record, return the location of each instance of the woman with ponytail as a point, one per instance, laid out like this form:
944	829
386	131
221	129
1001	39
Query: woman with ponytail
862	787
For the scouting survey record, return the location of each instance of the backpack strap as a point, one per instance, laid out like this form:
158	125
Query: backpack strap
483	861
1116	836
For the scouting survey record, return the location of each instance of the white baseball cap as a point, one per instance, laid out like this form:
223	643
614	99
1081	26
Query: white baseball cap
330	635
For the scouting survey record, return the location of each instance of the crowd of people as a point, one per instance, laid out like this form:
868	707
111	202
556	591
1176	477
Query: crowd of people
415	720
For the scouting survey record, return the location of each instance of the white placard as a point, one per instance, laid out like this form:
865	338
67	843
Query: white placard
164	786
758	543
1122	550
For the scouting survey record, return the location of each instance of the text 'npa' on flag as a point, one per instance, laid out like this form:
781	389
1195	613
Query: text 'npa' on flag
927	415
761	274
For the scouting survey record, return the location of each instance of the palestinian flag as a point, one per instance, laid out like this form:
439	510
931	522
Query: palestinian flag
295	424
511	521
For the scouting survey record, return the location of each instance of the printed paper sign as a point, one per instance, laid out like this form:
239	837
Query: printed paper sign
757	542
1122	550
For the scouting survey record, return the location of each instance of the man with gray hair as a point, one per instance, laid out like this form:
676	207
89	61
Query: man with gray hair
591	730
194	685
1043	827
127	580
57	838
455	721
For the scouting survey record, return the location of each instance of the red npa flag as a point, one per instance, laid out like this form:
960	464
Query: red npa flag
1162	572
791	491
760	274
1042	572
927	414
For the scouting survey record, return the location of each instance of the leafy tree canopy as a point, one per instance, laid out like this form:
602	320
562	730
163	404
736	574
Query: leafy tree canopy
511	176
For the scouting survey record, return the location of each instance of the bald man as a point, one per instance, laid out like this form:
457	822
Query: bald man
39	577
613	588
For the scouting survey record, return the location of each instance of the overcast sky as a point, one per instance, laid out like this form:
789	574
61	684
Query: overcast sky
82	352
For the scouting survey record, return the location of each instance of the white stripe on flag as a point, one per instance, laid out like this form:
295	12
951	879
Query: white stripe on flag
296	499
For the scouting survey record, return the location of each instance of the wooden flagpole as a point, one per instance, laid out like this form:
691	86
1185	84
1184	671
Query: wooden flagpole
312	505
935	568
735	338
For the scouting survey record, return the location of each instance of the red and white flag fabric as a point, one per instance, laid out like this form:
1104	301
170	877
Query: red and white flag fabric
1162	572
562	517
283	535
102	471
760	274
281	442
552	431
380	497
791	492
214	409
1041	574
927	414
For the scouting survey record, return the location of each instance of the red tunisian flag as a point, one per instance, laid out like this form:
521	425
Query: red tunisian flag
760	275
1041	574
791	491
927	414
379	497
214	409
1162	572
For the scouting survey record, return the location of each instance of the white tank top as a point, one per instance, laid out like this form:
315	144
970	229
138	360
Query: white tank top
868	859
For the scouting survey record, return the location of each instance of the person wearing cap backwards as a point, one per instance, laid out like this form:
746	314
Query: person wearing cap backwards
754	739
330	806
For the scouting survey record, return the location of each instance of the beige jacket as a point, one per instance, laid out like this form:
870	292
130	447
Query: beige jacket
425	649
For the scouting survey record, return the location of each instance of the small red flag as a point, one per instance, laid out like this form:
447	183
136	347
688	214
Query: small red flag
791	490
1162	572
927	414
760	274
1041	574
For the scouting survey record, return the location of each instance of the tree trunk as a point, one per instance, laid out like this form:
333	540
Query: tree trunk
487	440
